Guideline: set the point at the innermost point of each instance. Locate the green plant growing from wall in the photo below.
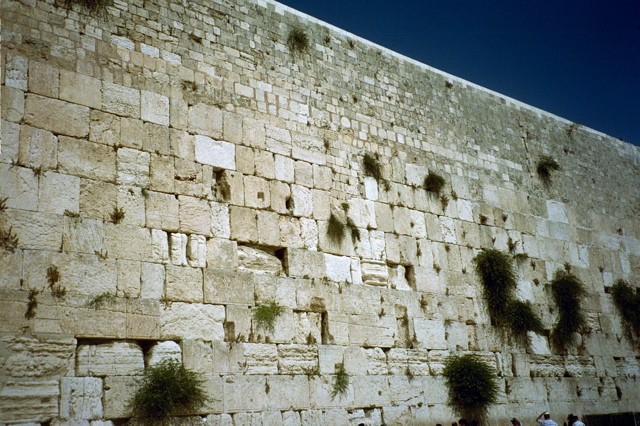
(355, 232)
(95, 7)
(545, 166)
(265, 315)
(340, 381)
(117, 215)
(495, 270)
(167, 389)
(102, 299)
(434, 183)
(3, 204)
(32, 304)
(472, 385)
(297, 41)
(371, 167)
(8, 240)
(567, 291)
(53, 276)
(627, 302)
(335, 230)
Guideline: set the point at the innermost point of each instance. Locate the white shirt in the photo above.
(548, 422)
(578, 423)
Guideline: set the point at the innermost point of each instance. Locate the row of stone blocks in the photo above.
(93, 381)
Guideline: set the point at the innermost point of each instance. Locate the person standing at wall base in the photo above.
(547, 419)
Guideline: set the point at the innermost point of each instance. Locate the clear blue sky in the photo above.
(576, 59)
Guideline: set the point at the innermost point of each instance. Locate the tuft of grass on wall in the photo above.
(297, 41)
(32, 304)
(335, 230)
(434, 183)
(102, 299)
(117, 215)
(265, 316)
(545, 166)
(496, 272)
(472, 385)
(627, 302)
(340, 381)
(371, 167)
(167, 389)
(568, 292)
(94, 7)
(8, 240)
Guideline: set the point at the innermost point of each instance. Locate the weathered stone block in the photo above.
(38, 148)
(20, 186)
(86, 159)
(24, 402)
(244, 393)
(133, 167)
(152, 277)
(118, 392)
(430, 334)
(192, 321)
(109, 359)
(43, 79)
(128, 242)
(162, 211)
(258, 261)
(243, 224)
(288, 392)
(256, 192)
(205, 120)
(298, 359)
(163, 351)
(120, 100)
(223, 286)
(305, 263)
(59, 193)
(218, 154)
(56, 116)
(81, 398)
(154, 108)
(338, 268)
(184, 284)
(80, 89)
(195, 215)
(197, 356)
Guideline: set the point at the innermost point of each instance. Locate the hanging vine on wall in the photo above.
(433, 183)
(371, 167)
(627, 302)
(568, 292)
(545, 166)
(498, 278)
(94, 7)
(472, 385)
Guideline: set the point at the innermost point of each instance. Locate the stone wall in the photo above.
(179, 156)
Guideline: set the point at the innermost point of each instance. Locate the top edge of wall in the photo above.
(281, 8)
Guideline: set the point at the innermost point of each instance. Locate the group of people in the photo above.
(545, 420)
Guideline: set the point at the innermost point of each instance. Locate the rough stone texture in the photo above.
(228, 163)
(118, 358)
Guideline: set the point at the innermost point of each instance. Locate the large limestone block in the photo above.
(305, 263)
(298, 359)
(308, 327)
(401, 360)
(338, 268)
(38, 148)
(162, 211)
(57, 116)
(280, 197)
(259, 358)
(80, 89)
(35, 230)
(11, 267)
(128, 284)
(159, 246)
(192, 321)
(256, 192)
(245, 393)
(223, 286)
(268, 232)
(371, 390)
(205, 120)
(302, 201)
(178, 248)
(118, 392)
(184, 284)
(10, 134)
(372, 330)
(197, 355)
(152, 277)
(86, 159)
(120, 100)
(107, 129)
(81, 398)
(195, 215)
(222, 254)
(220, 225)
(290, 232)
(154, 108)
(44, 79)
(59, 193)
(525, 389)
(243, 224)
(430, 334)
(288, 392)
(109, 359)
(128, 242)
(12, 104)
(163, 351)
(37, 358)
(133, 167)
(16, 70)
(197, 251)
(259, 261)
(228, 358)
(219, 154)
(24, 402)
(309, 233)
(19, 186)
(321, 388)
